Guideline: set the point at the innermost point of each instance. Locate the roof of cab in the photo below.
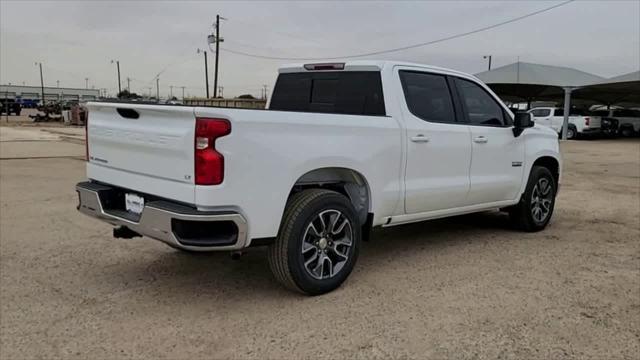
(370, 65)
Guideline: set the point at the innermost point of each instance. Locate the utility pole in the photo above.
(158, 88)
(206, 70)
(6, 103)
(170, 91)
(86, 83)
(488, 57)
(220, 90)
(41, 81)
(218, 40)
(118, 65)
(57, 83)
(264, 89)
(129, 84)
(182, 92)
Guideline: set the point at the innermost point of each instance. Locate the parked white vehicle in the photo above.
(343, 147)
(579, 123)
(628, 120)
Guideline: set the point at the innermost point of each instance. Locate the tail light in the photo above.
(586, 121)
(209, 164)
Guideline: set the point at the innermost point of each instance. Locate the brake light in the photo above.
(325, 66)
(586, 121)
(209, 164)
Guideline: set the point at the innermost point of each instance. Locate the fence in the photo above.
(227, 103)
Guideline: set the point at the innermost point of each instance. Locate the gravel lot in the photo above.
(468, 287)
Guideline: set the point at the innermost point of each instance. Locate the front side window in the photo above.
(428, 96)
(480, 107)
(541, 112)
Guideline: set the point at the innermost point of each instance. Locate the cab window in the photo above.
(541, 112)
(428, 96)
(480, 107)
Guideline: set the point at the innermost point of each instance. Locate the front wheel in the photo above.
(535, 208)
(318, 242)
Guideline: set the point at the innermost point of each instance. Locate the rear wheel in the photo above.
(535, 208)
(571, 133)
(627, 131)
(318, 242)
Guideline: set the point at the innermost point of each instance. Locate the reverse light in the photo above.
(209, 163)
(586, 121)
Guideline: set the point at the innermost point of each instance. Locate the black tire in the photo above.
(627, 131)
(572, 133)
(286, 259)
(522, 215)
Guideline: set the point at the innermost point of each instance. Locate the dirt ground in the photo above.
(467, 287)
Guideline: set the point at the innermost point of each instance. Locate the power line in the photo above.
(404, 47)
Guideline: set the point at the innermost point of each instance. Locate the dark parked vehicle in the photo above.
(10, 106)
(609, 127)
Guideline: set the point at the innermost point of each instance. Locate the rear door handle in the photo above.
(420, 139)
(480, 139)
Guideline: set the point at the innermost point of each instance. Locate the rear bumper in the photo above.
(175, 224)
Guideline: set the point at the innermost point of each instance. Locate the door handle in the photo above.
(480, 139)
(420, 139)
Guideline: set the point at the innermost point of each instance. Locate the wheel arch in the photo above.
(550, 163)
(349, 182)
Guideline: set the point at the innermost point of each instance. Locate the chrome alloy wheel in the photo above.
(326, 244)
(541, 200)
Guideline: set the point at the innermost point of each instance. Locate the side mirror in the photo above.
(522, 121)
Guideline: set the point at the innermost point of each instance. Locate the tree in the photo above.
(246, 96)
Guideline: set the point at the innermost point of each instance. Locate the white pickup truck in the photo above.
(343, 147)
(579, 122)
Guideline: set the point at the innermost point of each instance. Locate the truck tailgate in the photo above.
(595, 122)
(148, 148)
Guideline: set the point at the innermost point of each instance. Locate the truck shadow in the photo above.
(216, 274)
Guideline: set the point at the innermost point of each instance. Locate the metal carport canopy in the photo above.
(623, 90)
(522, 81)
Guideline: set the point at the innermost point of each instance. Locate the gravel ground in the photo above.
(467, 287)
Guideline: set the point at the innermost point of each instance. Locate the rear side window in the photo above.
(428, 96)
(347, 92)
(541, 112)
(626, 113)
(481, 108)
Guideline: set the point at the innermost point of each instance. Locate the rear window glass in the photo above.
(572, 112)
(349, 92)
